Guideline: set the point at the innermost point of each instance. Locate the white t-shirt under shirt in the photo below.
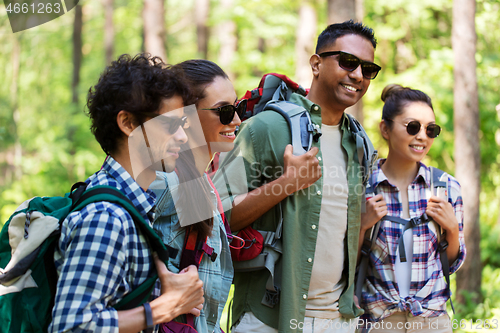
(326, 283)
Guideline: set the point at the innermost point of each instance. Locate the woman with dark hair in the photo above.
(188, 207)
(405, 289)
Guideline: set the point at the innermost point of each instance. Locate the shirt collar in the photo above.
(378, 176)
(315, 109)
(143, 200)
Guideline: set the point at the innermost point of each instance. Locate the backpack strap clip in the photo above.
(366, 247)
(271, 298)
(209, 251)
(443, 245)
(316, 132)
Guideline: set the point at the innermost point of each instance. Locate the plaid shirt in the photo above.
(217, 276)
(428, 291)
(101, 257)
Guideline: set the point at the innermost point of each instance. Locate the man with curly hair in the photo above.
(101, 256)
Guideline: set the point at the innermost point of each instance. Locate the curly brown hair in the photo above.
(135, 84)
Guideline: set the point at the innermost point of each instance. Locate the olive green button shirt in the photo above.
(262, 140)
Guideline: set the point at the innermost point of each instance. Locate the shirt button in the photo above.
(318, 193)
(309, 260)
(315, 108)
(313, 226)
(304, 296)
(319, 158)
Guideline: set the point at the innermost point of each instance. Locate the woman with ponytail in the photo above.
(405, 289)
(188, 212)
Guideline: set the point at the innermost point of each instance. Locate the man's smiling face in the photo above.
(341, 87)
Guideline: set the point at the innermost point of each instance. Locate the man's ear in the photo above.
(315, 62)
(126, 122)
(384, 129)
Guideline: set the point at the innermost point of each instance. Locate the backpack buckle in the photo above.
(443, 245)
(317, 133)
(416, 221)
(365, 248)
(271, 298)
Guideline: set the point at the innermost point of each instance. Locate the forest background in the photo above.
(46, 71)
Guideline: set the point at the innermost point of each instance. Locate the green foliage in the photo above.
(414, 48)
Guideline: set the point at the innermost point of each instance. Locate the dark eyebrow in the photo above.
(222, 103)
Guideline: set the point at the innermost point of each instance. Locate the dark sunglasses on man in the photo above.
(226, 112)
(172, 124)
(414, 126)
(350, 62)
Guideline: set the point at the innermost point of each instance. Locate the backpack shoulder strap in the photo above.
(439, 179)
(302, 129)
(367, 246)
(112, 194)
(366, 153)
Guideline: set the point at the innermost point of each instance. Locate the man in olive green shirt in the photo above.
(320, 194)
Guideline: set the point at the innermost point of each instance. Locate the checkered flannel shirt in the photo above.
(101, 257)
(428, 290)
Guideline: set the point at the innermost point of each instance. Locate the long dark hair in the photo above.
(194, 192)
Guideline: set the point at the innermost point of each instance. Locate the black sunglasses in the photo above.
(226, 112)
(414, 126)
(350, 62)
(173, 124)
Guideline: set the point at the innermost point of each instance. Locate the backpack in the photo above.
(27, 244)
(263, 249)
(439, 180)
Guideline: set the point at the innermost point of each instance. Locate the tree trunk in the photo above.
(228, 40)
(14, 89)
(77, 64)
(77, 51)
(201, 12)
(467, 157)
(360, 10)
(109, 32)
(153, 16)
(305, 42)
(340, 11)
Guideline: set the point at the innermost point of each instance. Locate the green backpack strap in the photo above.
(111, 194)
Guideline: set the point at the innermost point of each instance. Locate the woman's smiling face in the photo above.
(219, 137)
(406, 146)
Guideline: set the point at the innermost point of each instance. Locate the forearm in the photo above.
(453, 249)
(134, 320)
(252, 205)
